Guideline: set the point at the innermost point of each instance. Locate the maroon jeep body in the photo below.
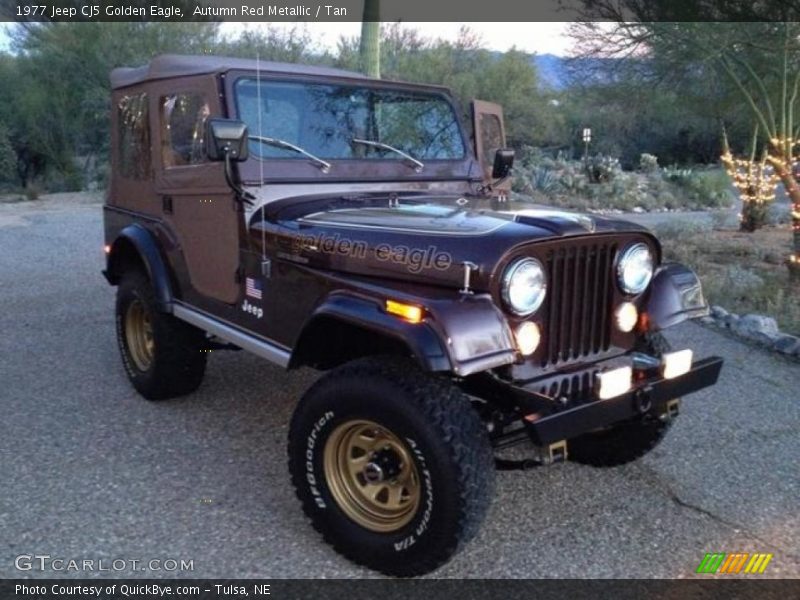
(317, 217)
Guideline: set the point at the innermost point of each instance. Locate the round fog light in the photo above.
(626, 316)
(528, 338)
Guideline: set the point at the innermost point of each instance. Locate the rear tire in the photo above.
(393, 466)
(163, 356)
(627, 441)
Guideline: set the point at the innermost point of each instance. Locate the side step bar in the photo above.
(258, 346)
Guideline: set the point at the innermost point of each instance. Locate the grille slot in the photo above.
(579, 301)
(576, 388)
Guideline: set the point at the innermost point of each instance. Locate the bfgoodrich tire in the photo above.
(163, 357)
(392, 466)
(627, 441)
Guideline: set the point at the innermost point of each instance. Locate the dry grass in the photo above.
(743, 272)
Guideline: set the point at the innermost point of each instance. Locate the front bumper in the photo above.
(549, 419)
(647, 396)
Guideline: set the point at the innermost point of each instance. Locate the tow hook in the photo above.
(642, 399)
(543, 456)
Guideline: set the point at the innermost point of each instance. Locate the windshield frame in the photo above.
(299, 168)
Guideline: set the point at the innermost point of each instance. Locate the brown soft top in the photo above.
(177, 65)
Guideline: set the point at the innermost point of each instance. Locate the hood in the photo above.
(420, 238)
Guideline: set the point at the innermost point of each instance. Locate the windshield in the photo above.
(324, 119)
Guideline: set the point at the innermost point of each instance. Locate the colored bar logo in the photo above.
(720, 563)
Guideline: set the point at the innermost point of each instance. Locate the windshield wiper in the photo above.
(323, 165)
(417, 165)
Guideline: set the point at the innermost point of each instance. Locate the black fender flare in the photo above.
(145, 245)
(462, 336)
(367, 314)
(676, 295)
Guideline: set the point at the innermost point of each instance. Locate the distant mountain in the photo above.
(555, 72)
(552, 70)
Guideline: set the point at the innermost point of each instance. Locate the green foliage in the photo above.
(706, 189)
(569, 184)
(540, 179)
(601, 169)
(8, 158)
(648, 163)
(54, 95)
(295, 45)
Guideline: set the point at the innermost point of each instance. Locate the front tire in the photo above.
(163, 356)
(628, 441)
(392, 466)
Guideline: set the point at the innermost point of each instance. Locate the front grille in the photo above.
(576, 388)
(579, 296)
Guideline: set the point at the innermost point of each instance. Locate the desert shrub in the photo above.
(648, 163)
(539, 179)
(601, 168)
(677, 175)
(702, 189)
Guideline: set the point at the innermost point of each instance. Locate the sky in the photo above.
(542, 38)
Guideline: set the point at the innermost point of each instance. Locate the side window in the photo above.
(491, 136)
(133, 119)
(183, 121)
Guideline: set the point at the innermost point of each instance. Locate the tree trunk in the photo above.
(793, 191)
(370, 48)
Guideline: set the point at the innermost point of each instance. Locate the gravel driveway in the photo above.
(90, 470)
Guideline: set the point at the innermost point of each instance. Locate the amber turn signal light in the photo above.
(407, 312)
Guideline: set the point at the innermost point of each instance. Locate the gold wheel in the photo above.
(139, 335)
(372, 476)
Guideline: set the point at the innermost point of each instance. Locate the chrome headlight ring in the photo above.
(635, 268)
(524, 286)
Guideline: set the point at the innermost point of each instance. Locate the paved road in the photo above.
(90, 470)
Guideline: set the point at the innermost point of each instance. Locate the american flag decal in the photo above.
(252, 288)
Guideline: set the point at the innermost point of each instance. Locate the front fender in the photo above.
(462, 335)
(134, 241)
(675, 296)
(367, 314)
(477, 334)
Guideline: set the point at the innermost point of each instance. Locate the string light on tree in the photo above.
(756, 181)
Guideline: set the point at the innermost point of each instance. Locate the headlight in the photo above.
(524, 286)
(635, 269)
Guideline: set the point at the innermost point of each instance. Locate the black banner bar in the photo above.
(394, 589)
(399, 10)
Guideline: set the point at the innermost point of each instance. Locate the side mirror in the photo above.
(226, 139)
(503, 161)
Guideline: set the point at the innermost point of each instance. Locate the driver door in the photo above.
(196, 201)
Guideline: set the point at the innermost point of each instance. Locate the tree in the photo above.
(8, 158)
(293, 45)
(760, 61)
(59, 92)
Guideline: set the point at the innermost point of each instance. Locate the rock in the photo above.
(760, 323)
(719, 313)
(787, 344)
(760, 328)
(638, 209)
(730, 320)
